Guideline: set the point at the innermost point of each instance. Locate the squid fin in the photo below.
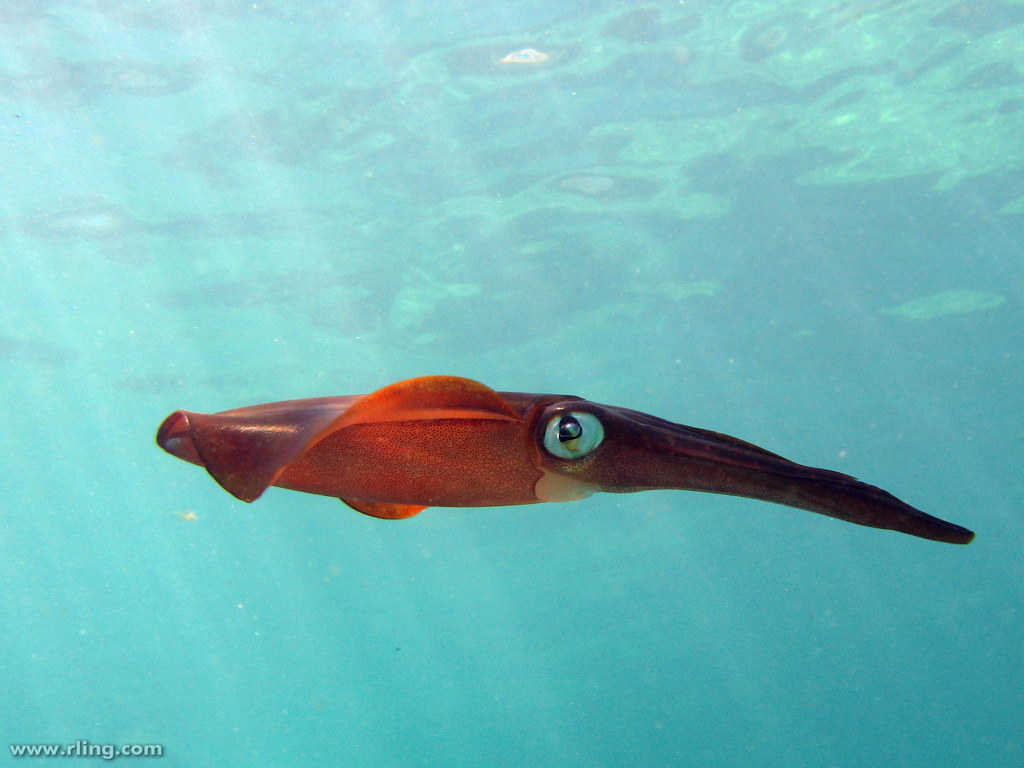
(428, 397)
(384, 510)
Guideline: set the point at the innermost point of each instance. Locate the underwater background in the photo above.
(800, 223)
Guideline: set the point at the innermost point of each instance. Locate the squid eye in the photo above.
(573, 435)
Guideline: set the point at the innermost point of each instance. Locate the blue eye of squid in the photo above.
(572, 435)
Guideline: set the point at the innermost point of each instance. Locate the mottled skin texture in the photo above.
(448, 441)
(378, 462)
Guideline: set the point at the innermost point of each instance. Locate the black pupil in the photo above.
(569, 429)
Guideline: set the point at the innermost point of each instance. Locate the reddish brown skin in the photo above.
(448, 441)
(421, 463)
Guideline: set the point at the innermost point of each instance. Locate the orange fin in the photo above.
(428, 397)
(384, 510)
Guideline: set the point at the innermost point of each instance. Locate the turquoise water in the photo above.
(800, 223)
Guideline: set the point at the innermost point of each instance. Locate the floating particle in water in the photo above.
(526, 56)
(493, 60)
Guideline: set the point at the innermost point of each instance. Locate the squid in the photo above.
(448, 441)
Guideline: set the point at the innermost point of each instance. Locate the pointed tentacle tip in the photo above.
(936, 529)
(960, 536)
